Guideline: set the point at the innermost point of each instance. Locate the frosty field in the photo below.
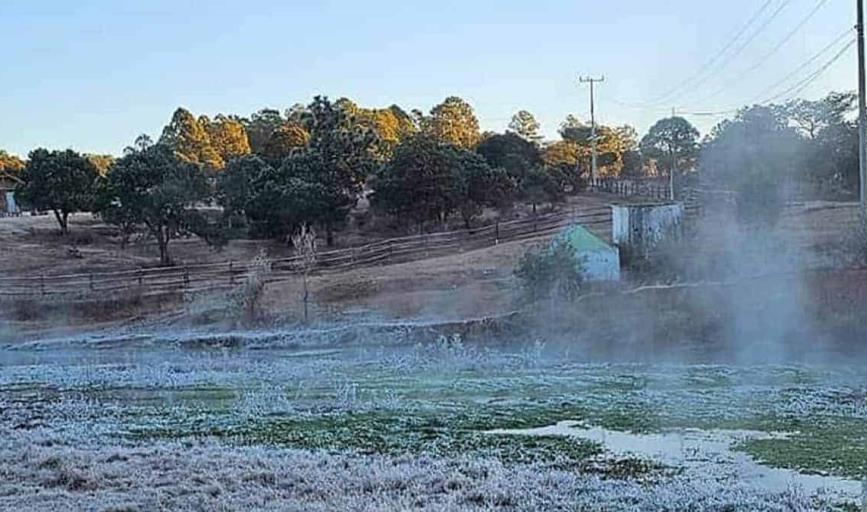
(447, 426)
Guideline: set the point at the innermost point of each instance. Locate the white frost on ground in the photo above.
(700, 452)
(36, 474)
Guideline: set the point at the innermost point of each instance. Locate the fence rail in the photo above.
(222, 275)
(654, 188)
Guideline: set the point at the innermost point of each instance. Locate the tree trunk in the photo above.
(163, 241)
(329, 235)
(63, 221)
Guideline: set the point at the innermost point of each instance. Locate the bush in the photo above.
(855, 244)
(759, 201)
(550, 272)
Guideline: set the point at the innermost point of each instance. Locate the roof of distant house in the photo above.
(583, 240)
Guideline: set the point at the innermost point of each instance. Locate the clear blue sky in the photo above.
(92, 74)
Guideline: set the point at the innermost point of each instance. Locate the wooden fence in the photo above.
(653, 188)
(215, 276)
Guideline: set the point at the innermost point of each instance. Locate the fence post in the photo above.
(186, 276)
(231, 272)
(140, 276)
(497, 233)
(42, 284)
(90, 279)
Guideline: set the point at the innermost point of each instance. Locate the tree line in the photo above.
(273, 172)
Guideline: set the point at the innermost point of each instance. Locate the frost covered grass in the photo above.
(417, 416)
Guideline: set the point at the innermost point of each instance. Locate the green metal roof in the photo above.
(582, 240)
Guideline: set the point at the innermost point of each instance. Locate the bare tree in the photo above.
(305, 247)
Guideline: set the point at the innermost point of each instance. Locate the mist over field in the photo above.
(381, 295)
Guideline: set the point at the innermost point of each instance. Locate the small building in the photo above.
(639, 227)
(8, 205)
(599, 261)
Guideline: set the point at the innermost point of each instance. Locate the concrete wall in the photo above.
(7, 203)
(601, 265)
(641, 226)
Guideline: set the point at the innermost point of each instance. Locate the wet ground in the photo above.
(443, 426)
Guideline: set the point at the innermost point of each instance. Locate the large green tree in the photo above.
(259, 127)
(754, 154)
(511, 152)
(671, 141)
(155, 189)
(334, 165)
(63, 182)
(829, 149)
(417, 184)
(477, 185)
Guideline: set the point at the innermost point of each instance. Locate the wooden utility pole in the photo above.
(592, 81)
(673, 170)
(862, 110)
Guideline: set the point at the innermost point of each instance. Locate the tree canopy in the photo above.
(63, 182)
(10, 166)
(454, 121)
(189, 139)
(524, 124)
(669, 141)
(155, 189)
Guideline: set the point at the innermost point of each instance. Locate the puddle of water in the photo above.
(705, 451)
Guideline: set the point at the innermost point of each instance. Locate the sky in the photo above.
(93, 74)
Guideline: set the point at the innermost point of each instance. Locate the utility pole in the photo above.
(592, 81)
(862, 110)
(673, 161)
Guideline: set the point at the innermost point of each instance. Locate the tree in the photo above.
(562, 153)
(524, 124)
(189, 139)
(417, 183)
(156, 189)
(611, 144)
(671, 140)
(553, 272)
(511, 152)
(227, 137)
(334, 164)
(102, 162)
(284, 141)
(541, 185)
(811, 117)
(237, 184)
(752, 154)
(10, 166)
(477, 185)
(61, 181)
(453, 121)
(259, 128)
(829, 150)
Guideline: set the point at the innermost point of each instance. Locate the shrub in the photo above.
(251, 291)
(855, 244)
(552, 272)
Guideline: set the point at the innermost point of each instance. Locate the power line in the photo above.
(767, 55)
(806, 63)
(740, 48)
(798, 86)
(707, 65)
